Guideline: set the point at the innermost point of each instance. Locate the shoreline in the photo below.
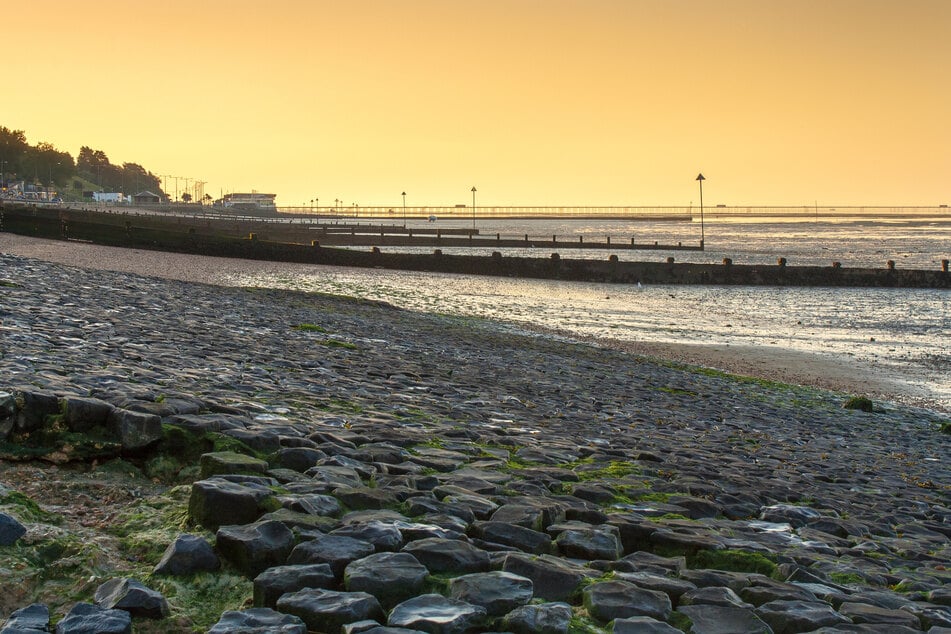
(769, 364)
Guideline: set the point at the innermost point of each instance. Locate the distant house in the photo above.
(146, 198)
(109, 197)
(253, 201)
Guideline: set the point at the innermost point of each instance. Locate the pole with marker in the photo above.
(700, 179)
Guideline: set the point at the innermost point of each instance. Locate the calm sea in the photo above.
(902, 333)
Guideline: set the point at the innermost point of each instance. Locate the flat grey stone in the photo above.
(258, 621)
(328, 610)
(32, 619)
(11, 530)
(543, 618)
(85, 618)
(253, 548)
(642, 625)
(799, 616)
(335, 550)
(273, 583)
(553, 579)
(713, 619)
(437, 614)
(609, 600)
(132, 596)
(448, 555)
(187, 555)
(498, 592)
(390, 577)
(519, 537)
(873, 614)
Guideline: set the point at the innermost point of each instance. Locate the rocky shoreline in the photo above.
(319, 464)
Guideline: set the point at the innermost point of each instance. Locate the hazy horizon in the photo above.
(562, 103)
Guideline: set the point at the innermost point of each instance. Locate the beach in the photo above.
(787, 366)
(325, 452)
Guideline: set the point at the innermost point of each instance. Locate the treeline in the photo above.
(44, 165)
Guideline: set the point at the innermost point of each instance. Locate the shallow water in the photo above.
(904, 333)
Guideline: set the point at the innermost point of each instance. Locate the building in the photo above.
(109, 197)
(146, 198)
(254, 201)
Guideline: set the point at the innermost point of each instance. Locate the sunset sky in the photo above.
(555, 102)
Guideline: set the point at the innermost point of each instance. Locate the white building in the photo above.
(109, 197)
(254, 201)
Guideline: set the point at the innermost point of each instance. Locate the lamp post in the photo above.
(404, 210)
(700, 180)
(473, 207)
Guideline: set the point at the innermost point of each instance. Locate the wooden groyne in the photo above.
(146, 233)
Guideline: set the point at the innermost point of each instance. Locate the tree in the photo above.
(12, 147)
(186, 197)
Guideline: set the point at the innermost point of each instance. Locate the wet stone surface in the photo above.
(443, 474)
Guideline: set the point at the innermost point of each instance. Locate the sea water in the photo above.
(904, 334)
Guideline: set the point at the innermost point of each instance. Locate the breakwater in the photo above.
(205, 238)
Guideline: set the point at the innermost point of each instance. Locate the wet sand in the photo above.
(785, 366)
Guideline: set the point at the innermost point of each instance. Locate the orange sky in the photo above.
(570, 102)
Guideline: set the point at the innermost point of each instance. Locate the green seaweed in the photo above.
(733, 560)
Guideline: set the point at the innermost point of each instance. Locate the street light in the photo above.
(473, 207)
(700, 180)
(404, 210)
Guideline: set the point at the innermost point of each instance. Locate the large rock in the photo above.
(437, 614)
(218, 502)
(795, 516)
(553, 579)
(513, 535)
(790, 617)
(273, 583)
(390, 577)
(134, 430)
(335, 550)
(8, 411)
(643, 625)
(132, 596)
(384, 536)
(10, 530)
(589, 544)
(85, 618)
(536, 513)
(362, 497)
(714, 619)
(448, 555)
(254, 548)
(498, 592)
(187, 555)
(327, 610)
(873, 614)
(258, 621)
(33, 409)
(714, 595)
(545, 618)
(299, 458)
(313, 504)
(228, 462)
(611, 600)
(33, 619)
(83, 414)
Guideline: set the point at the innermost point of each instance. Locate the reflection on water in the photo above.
(904, 333)
(919, 244)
